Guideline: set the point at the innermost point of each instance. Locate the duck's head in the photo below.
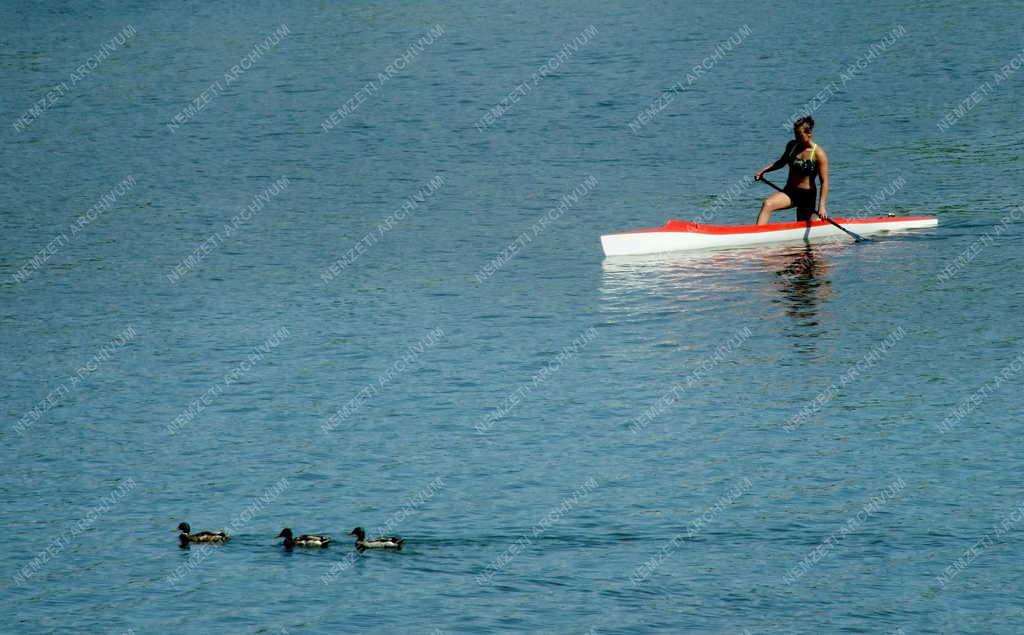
(358, 533)
(184, 527)
(285, 533)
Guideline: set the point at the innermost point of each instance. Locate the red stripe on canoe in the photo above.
(698, 228)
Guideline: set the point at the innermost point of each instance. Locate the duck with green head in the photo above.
(186, 536)
(383, 542)
(305, 540)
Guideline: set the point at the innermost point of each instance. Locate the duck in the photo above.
(383, 542)
(305, 540)
(186, 536)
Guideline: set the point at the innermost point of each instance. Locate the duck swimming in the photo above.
(384, 542)
(305, 540)
(186, 536)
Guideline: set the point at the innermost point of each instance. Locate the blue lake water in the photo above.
(396, 319)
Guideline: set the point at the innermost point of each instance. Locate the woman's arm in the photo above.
(779, 163)
(823, 175)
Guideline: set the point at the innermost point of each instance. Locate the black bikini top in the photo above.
(808, 165)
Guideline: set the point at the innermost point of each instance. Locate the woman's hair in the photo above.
(809, 120)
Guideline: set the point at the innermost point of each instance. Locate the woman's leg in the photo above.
(773, 203)
(806, 202)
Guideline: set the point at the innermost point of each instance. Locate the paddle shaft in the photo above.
(856, 237)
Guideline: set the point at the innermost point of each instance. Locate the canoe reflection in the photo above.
(713, 271)
(732, 284)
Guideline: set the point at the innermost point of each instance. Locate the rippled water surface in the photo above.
(774, 439)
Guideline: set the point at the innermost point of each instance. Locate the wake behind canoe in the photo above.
(680, 235)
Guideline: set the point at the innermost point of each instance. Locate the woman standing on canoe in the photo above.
(806, 160)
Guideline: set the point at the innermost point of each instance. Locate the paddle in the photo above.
(856, 237)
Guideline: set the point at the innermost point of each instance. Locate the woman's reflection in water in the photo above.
(801, 276)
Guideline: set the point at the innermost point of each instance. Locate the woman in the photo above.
(806, 160)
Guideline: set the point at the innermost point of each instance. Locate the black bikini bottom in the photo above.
(806, 201)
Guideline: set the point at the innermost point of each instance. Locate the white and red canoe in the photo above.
(681, 235)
